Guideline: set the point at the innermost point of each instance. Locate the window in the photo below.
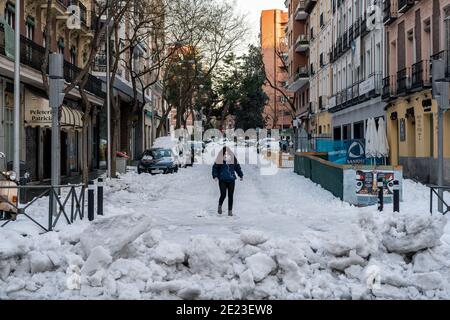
(73, 55)
(10, 14)
(61, 45)
(358, 130)
(337, 133)
(29, 27)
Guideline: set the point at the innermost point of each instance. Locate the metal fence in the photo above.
(434, 190)
(70, 201)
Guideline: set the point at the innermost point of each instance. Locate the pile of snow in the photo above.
(387, 256)
(276, 251)
(165, 142)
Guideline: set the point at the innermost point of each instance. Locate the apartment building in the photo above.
(277, 112)
(297, 57)
(416, 32)
(320, 28)
(357, 63)
(35, 131)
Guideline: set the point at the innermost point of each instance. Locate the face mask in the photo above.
(228, 158)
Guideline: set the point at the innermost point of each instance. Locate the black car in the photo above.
(158, 160)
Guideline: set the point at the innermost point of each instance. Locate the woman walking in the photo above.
(224, 171)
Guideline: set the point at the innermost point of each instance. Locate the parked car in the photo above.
(158, 160)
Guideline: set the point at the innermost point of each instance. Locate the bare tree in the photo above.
(210, 30)
(289, 98)
(116, 10)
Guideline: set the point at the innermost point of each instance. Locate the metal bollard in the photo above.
(100, 196)
(380, 194)
(396, 196)
(91, 200)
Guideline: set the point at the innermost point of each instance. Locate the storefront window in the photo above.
(358, 130)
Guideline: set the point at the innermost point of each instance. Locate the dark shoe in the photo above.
(219, 210)
(230, 213)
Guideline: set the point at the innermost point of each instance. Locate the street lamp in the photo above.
(16, 128)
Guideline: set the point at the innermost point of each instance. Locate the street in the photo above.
(161, 238)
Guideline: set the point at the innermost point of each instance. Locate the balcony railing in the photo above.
(309, 5)
(403, 81)
(404, 5)
(420, 75)
(444, 55)
(354, 93)
(389, 12)
(302, 72)
(32, 55)
(300, 12)
(302, 43)
(389, 88)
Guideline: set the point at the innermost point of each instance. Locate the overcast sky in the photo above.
(253, 9)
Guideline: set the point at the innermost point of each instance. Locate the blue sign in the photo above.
(356, 151)
(347, 152)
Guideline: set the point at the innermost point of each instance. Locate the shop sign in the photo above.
(402, 129)
(37, 110)
(367, 86)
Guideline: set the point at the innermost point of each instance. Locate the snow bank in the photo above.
(405, 233)
(12, 244)
(114, 233)
(330, 250)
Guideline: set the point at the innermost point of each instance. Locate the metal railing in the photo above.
(389, 12)
(70, 202)
(403, 81)
(70, 205)
(388, 87)
(434, 190)
(420, 74)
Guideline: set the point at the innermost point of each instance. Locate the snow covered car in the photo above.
(158, 160)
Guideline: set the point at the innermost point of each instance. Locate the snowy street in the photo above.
(161, 237)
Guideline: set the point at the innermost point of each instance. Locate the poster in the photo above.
(367, 189)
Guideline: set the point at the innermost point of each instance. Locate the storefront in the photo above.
(350, 123)
(38, 122)
(412, 127)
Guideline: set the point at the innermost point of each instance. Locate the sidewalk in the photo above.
(30, 194)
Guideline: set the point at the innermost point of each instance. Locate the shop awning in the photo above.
(71, 118)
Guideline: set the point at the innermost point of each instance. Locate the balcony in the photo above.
(356, 93)
(404, 5)
(32, 55)
(100, 62)
(420, 75)
(309, 5)
(322, 103)
(300, 13)
(300, 79)
(388, 89)
(389, 12)
(444, 55)
(403, 81)
(302, 43)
